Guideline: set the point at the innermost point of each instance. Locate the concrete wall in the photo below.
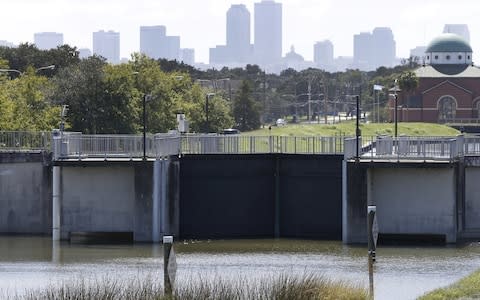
(25, 194)
(472, 198)
(97, 198)
(414, 200)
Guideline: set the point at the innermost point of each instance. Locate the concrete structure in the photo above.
(459, 29)
(107, 45)
(449, 85)
(419, 54)
(26, 193)
(155, 43)
(268, 32)
(48, 40)
(323, 55)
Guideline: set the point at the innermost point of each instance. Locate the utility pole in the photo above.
(325, 103)
(309, 99)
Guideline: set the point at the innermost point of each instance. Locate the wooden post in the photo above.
(169, 265)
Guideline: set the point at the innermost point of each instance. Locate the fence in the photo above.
(78, 146)
(25, 140)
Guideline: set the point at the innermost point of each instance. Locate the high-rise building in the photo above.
(418, 54)
(155, 43)
(238, 33)
(187, 56)
(383, 47)
(48, 40)
(460, 29)
(362, 51)
(84, 53)
(323, 54)
(107, 45)
(268, 32)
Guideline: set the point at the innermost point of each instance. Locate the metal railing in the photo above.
(401, 148)
(25, 140)
(78, 146)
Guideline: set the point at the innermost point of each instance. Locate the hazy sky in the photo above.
(201, 24)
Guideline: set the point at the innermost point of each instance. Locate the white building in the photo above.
(84, 53)
(107, 45)
(238, 33)
(460, 29)
(48, 40)
(156, 44)
(187, 56)
(268, 32)
(323, 55)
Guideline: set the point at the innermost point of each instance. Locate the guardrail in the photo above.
(25, 141)
(79, 146)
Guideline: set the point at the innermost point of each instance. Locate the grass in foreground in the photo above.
(348, 128)
(281, 288)
(466, 288)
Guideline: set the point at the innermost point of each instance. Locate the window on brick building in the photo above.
(447, 108)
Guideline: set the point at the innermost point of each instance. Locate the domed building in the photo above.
(449, 85)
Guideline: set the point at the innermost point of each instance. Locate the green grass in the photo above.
(466, 288)
(283, 287)
(348, 128)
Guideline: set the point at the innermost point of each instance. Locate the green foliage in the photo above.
(466, 288)
(25, 104)
(245, 110)
(408, 81)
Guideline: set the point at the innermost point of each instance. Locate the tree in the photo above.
(408, 82)
(245, 110)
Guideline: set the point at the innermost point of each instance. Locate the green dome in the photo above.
(448, 42)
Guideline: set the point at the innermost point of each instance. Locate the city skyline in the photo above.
(201, 25)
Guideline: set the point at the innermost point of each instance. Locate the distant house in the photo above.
(449, 85)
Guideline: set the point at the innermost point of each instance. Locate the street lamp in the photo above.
(207, 98)
(146, 98)
(395, 97)
(50, 67)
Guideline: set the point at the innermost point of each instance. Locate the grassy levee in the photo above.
(466, 288)
(348, 128)
(283, 287)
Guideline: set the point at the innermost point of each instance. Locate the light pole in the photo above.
(146, 98)
(50, 67)
(207, 98)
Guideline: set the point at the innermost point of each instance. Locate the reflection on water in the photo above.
(399, 273)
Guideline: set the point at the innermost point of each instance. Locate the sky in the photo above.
(201, 24)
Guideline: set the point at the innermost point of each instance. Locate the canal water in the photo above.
(399, 273)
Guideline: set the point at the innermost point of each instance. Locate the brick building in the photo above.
(449, 85)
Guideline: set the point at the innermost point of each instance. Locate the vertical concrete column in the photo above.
(370, 200)
(56, 202)
(164, 207)
(344, 203)
(157, 179)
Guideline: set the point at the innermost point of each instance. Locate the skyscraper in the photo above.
(362, 51)
(323, 54)
(187, 56)
(460, 29)
(383, 47)
(48, 40)
(107, 44)
(268, 32)
(155, 43)
(238, 33)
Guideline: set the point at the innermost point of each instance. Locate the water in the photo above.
(399, 273)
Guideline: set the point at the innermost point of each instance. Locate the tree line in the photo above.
(105, 98)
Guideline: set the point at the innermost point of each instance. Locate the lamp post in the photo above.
(357, 129)
(146, 98)
(50, 67)
(207, 98)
